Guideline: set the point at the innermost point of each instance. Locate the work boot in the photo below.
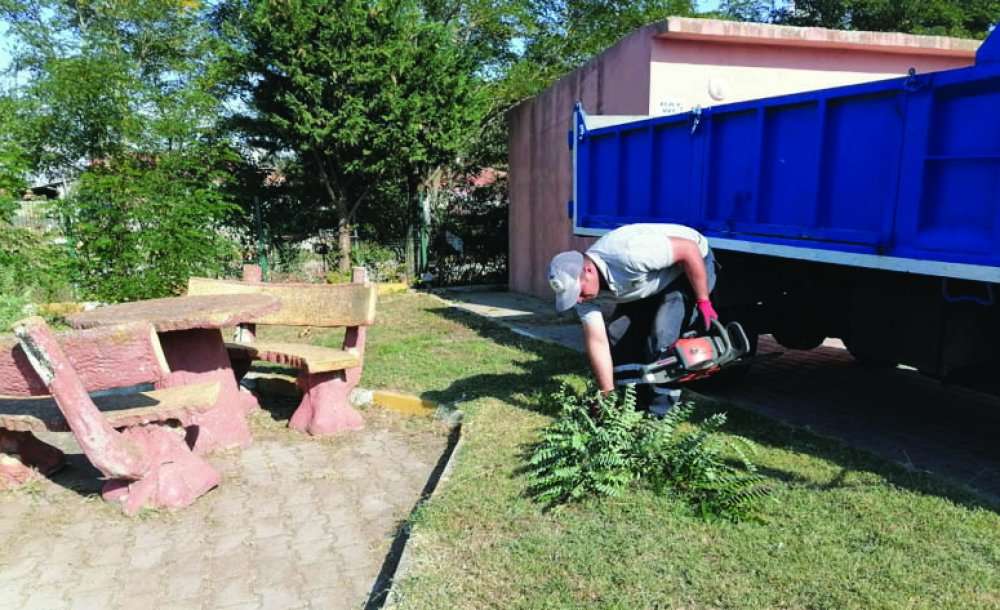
(664, 399)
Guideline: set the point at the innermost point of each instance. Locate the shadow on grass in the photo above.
(525, 389)
(537, 380)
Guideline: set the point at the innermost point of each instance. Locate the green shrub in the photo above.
(13, 299)
(142, 225)
(601, 446)
(584, 453)
(34, 265)
(337, 277)
(383, 264)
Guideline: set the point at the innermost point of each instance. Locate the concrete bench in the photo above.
(135, 438)
(326, 375)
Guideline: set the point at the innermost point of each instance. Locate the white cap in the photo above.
(564, 278)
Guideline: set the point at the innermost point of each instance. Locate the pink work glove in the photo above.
(707, 312)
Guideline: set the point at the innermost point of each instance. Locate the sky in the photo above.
(700, 5)
(4, 53)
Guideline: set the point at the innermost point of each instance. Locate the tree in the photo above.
(963, 18)
(13, 160)
(358, 92)
(120, 97)
(967, 18)
(761, 11)
(29, 262)
(565, 34)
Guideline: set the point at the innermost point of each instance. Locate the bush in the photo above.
(600, 447)
(142, 225)
(13, 299)
(384, 264)
(34, 265)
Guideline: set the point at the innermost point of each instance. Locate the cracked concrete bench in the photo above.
(136, 439)
(326, 375)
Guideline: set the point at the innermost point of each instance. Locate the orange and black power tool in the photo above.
(691, 358)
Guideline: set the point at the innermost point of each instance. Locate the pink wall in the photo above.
(616, 82)
(682, 72)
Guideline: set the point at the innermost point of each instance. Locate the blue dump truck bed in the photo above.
(899, 175)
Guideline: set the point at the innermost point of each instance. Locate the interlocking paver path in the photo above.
(297, 523)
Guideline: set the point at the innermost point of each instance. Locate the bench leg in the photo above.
(21, 452)
(177, 477)
(325, 407)
(199, 356)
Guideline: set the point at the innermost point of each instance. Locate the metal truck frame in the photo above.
(868, 212)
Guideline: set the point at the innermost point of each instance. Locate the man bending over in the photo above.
(659, 276)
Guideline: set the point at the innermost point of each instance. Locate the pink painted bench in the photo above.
(136, 439)
(189, 332)
(326, 375)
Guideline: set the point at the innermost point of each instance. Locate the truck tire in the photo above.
(865, 358)
(802, 338)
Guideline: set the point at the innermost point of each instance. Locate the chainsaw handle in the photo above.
(737, 328)
(721, 330)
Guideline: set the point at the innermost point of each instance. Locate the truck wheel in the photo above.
(866, 359)
(803, 338)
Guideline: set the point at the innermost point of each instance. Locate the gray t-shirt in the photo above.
(637, 261)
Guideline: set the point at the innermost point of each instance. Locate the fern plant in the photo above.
(601, 446)
(588, 450)
(691, 461)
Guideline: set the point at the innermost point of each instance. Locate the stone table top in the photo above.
(181, 313)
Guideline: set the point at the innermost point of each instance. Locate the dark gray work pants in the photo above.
(640, 331)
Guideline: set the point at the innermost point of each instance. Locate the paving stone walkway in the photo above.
(297, 523)
(894, 412)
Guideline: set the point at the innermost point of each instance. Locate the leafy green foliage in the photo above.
(34, 265)
(141, 231)
(693, 462)
(13, 298)
(964, 18)
(356, 92)
(600, 446)
(31, 264)
(586, 453)
(14, 163)
(121, 99)
(969, 18)
(383, 264)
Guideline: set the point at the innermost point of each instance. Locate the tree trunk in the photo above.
(343, 212)
(344, 239)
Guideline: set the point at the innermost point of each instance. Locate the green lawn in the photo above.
(843, 529)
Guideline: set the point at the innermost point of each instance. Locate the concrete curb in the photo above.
(385, 288)
(398, 563)
(404, 565)
(468, 288)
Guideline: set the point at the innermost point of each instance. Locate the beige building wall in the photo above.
(673, 66)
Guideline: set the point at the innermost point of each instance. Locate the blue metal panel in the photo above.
(906, 167)
(989, 51)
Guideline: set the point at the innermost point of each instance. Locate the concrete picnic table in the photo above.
(189, 331)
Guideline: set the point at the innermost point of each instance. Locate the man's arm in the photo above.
(595, 341)
(687, 254)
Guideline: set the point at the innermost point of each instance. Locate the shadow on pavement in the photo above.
(538, 376)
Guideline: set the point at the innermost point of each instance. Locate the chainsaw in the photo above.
(691, 358)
